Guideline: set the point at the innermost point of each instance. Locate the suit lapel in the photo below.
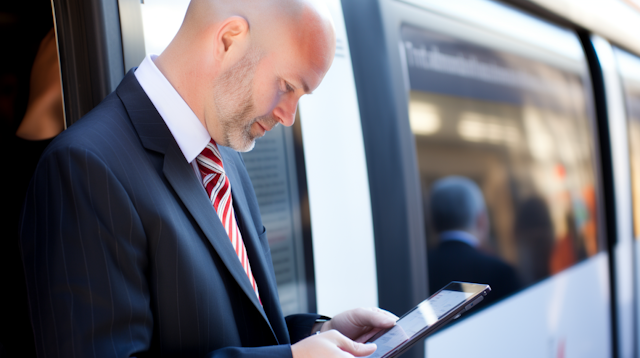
(155, 136)
(260, 265)
(183, 180)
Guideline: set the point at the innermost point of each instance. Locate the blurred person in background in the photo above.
(534, 235)
(459, 217)
(44, 118)
(31, 115)
(569, 247)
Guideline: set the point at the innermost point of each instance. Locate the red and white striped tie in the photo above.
(219, 190)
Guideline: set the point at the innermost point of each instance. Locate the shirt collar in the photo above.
(192, 137)
(459, 235)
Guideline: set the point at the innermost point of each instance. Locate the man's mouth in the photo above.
(267, 123)
(264, 129)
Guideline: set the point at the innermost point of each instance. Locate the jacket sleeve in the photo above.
(84, 255)
(300, 325)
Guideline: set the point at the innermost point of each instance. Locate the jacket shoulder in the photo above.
(100, 129)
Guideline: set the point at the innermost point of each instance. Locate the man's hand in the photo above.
(360, 324)
(330, 344)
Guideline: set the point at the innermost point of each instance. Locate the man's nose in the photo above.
(285, 111)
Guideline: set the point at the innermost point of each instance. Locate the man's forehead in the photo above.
(294, 71)
(302, 59)
(301, 46)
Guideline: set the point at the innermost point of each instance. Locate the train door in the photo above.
(629, 71)
(616, 175)
(476, 89)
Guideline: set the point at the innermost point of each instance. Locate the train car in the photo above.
(536, 102)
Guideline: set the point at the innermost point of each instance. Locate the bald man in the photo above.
(141, 233)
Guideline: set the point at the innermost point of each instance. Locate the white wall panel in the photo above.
(546, 320)
(341, 223)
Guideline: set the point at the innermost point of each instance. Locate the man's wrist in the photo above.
(319, 324)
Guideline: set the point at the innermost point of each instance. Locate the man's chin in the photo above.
(249, 147)
(246, 141)
(243, 147)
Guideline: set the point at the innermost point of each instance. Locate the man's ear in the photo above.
(232, 35)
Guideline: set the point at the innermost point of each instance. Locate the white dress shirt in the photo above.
(192, 137)
(459, 235)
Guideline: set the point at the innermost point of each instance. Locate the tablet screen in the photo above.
(425, 314)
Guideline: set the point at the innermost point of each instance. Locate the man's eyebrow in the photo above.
(304, 84)
(305, 87)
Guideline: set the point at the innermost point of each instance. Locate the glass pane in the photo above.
(508, 143)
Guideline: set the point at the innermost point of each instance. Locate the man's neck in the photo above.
(461, 236)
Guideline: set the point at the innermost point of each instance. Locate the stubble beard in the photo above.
(233, 98)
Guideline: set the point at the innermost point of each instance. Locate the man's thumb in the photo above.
(358, 349)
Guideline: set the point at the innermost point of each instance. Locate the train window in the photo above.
(505, 150)
(276, 167)
(629, 66)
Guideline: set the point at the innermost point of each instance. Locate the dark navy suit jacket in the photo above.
(125, 256)
(458, 261)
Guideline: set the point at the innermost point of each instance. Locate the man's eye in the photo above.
(285, 87)
(288, 87)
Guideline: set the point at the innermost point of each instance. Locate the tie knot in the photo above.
(210, 160)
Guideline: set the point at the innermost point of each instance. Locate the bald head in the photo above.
(269, 21)
(242, 65)
(456, 203)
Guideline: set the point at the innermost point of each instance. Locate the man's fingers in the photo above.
(365, 337)
(375, 317)
(357, 322)
(362, 350)
(354, 348)
(395, 318)
(330, 344)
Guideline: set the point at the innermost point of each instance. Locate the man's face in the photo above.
(236, 108)
(263, 88)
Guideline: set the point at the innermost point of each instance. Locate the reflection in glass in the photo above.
(423, 118)
(521, 129)
(535, 237)
(459, 218)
